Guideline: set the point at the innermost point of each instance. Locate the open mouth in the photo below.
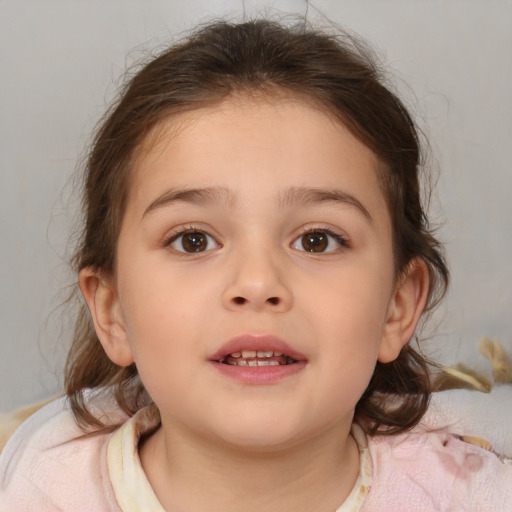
(257, 358)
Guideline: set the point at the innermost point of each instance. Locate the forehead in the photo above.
(244, 142)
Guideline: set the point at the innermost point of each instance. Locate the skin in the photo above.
(250, 446)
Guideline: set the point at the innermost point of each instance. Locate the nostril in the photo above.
(273, 300)
(239, 300)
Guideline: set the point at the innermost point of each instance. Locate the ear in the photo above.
(100, 294)
(405, 308)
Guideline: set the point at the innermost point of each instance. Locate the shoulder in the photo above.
(436, 471)
(472, 413)
(47, 465)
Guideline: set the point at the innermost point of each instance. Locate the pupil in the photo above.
(314, 242)
(194, 242)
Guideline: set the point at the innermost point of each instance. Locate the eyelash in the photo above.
(190, 229)
(340, 239)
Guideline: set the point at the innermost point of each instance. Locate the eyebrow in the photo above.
(306, 196)
(221, 196)
(207, 196)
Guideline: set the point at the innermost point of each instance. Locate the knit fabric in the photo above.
(49, 466)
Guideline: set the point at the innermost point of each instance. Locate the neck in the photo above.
(189, 472)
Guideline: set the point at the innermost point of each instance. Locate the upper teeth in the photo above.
(248, 354)
(257, 358)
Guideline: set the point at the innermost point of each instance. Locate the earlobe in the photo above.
(405, 309)
(101, 297)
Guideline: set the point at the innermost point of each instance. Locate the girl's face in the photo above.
(255, 233)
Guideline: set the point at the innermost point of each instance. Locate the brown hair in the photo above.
(337, 73)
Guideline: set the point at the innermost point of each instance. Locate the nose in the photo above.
(256, 282)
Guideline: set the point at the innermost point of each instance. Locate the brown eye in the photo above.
(315, 241)
(195, 241)
(320, 242)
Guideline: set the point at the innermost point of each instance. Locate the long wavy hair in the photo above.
(335, 71)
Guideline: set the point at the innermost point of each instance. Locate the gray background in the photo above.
(59, 63)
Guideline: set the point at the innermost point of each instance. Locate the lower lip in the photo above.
(259, 374)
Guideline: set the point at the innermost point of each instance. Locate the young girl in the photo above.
(255, 260)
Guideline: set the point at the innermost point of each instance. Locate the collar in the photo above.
(135, 494)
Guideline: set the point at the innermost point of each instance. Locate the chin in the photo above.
(262, 433)
(258, 442)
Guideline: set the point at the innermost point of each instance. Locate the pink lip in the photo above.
(257, 374)
(256, 342)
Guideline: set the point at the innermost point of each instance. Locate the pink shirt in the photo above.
(44, 467)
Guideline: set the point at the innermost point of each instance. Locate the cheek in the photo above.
(351, 304)
(167, 317)
(348, 320)
(162, 343)
(155, 293)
